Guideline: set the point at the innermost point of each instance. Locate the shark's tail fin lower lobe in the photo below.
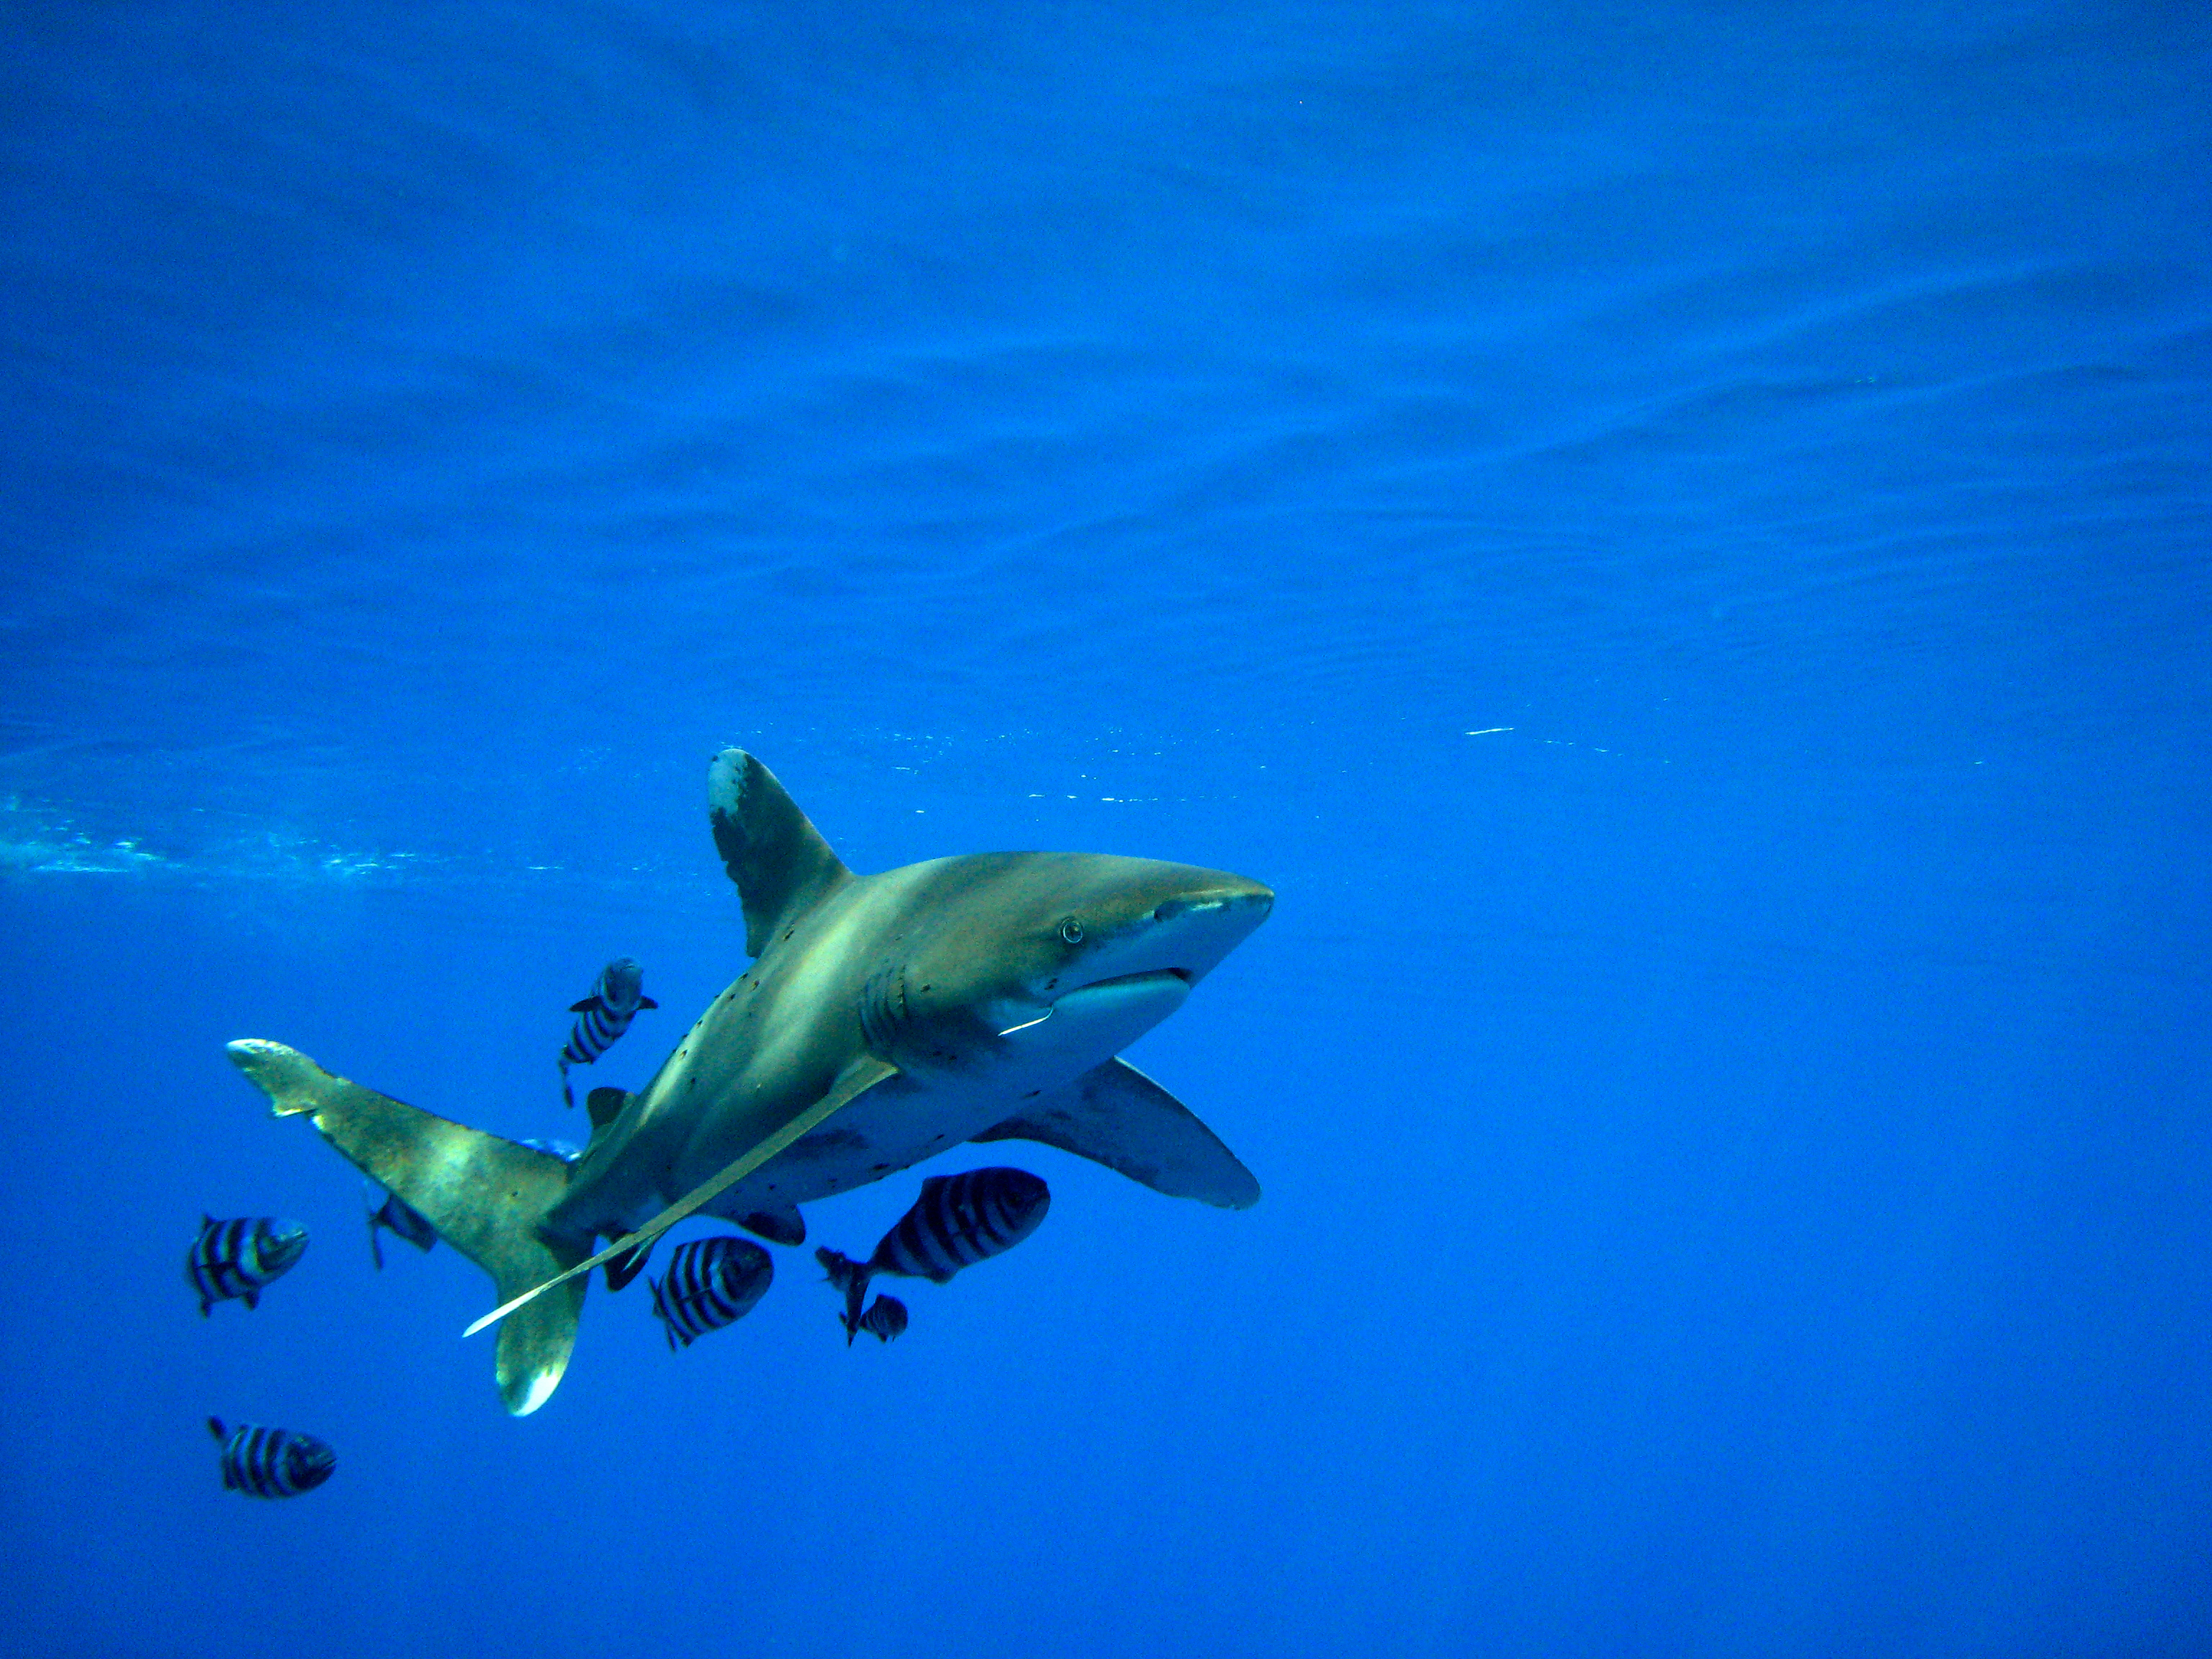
(485, 1195)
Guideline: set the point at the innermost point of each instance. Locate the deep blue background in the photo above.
(1735, 1140)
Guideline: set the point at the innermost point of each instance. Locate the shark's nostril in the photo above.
(1261, 899)
(1184, 907)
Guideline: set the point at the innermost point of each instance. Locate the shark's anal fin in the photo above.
(781, 1225)
(855, 1080)
(1116, 1116)
(484, 1195)
(777, 858)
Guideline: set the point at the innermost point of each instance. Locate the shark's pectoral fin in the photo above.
(1116, 1116)
(855, 1080)
(779, 861)
(483, 1194)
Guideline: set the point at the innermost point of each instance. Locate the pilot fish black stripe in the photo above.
(264, 1462)
(235, 1258)
(962, 1220)
(710, 1283)
(594, 1032)
(958, 1221)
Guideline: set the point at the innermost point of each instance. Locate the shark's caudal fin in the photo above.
(485, 1196)
(779, 861)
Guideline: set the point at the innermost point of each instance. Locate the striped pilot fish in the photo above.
(395, 1215)
(237, 1258)
(958, 1221)
(271, 1462)
(617, 997)
(884, 1319)
(710, 1283)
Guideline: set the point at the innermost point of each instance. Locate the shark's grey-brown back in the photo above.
(885, 1019)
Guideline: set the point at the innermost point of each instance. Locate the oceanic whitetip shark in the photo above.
(884, 1018)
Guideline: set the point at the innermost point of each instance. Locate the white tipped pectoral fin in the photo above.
(1116, 1116)
(855, 1080)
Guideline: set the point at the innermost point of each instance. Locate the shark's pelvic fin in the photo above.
(779, 861)
(1116, 1116)
(483, 1194)
(603, 1106)
(855, 1080)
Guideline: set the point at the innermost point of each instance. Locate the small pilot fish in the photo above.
(271, 1462)
(617, 996)
(238, 1258)
(396, 1215)
(958, 1221)
(884, 1319)
(710, 1283)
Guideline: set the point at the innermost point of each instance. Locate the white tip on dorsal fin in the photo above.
(779, 861)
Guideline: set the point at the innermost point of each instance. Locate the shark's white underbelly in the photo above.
(896, 1125)
(921, 1113)
(887, 1130)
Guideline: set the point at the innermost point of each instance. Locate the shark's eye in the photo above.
(1071, 931)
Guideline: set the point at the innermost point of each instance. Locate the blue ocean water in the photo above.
(1674, 537)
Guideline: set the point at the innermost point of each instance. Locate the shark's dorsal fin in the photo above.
(1116, 1116)
(779, 861)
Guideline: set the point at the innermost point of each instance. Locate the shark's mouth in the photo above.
(1146, 997)
(1139, 1000)
(1131, 980)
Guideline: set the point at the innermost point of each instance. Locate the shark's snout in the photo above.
(1134, 972)
(1191, 932)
